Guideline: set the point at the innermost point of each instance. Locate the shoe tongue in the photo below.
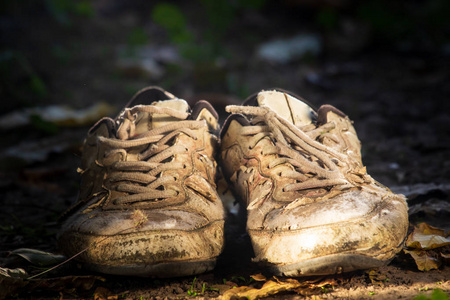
(147, 121)
(292, 109)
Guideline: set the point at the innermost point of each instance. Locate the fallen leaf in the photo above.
(376, 278)
(102, 293)
(332, 281)
(13, 273)
(427, 237)
(31, 151)
(425, 260)
(269, 288)
(428, 229)
(276, 285)
(11, 281)
(38, 257)
(422, 245)
(57, 114)
(259, 277)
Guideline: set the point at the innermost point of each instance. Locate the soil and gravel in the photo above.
(395, 88)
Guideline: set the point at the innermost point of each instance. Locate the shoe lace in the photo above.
(315, 165)
(141, 179)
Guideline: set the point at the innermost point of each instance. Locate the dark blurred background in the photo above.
(79, 52)
(384, 63)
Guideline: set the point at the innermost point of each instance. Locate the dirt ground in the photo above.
(387, 65)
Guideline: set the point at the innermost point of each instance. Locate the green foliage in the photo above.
(437, 294)
(209, 45)
(220, 14)
(18, 78)
(138, 37)
(63, 11)
(191, 291)
(37, 86)
(171, 18)
(43, 125)
(83, 9)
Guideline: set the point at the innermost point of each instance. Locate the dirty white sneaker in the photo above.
(148, 204)
(312, 209)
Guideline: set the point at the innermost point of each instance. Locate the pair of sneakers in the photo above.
(149, 206)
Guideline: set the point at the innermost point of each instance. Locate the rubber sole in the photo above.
(327, 265)
(161, 270)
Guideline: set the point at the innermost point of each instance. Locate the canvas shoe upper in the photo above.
(148, 204)
(312, 207)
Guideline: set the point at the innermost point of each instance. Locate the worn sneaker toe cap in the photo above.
(143, 243)
(351, 225)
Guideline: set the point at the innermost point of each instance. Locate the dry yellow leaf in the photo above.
(427, 237)
(269, 288)
(259, 277)
(425, 260)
